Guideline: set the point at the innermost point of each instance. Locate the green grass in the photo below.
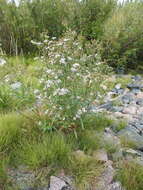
(131, 174)
(6, 98)
(11, 131)
(97, 122)
(51, 150)
(84, 169)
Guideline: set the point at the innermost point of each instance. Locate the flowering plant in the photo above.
(70, 82)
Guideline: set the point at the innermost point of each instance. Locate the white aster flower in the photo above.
(61, 91)
(16, 85)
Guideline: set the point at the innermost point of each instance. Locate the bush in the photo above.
(87, 17)
(19, 25)
(70, 82)
(123, 36)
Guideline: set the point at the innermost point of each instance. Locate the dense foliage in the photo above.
(118, 27)
(123, 36)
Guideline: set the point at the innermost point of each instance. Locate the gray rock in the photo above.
(106, 106)
(117, 155)
(100, 155)
(127, 98)
(135, 86)
(139, 102)
(118, 86)
(130, 110)
(116, 109)
(57, 184)
(136, 78)
(115, 186)
(105, 179)
(133, 152)
(131, 134)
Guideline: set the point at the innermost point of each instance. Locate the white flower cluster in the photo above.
(61, 92)
(75, 67)
(79, 113)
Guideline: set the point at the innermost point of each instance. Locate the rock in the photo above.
(120, 115)
(133, 152)
(105, 179)
(140, 110)
(135, 86)
(106, 106)
(136, 78)
(140, 95)
(136, 91)
(22, 177)
(115, 186)
(57, 184)
(139, 102)
(118, 155)
(127, 98)
(132, 135)
(112, 140)
(100, 155)
(116, 109)
(118, 86)
(130, 110)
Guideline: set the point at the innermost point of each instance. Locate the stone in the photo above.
(115, 186)
(118, 86)
(57, 184)
(132, 135)
(136, 78)
(135, 86)
(111, 139)
(116, 109)
(127, 98)
(120, 115)
(105, 179)
(106, 106)
(130, 110)
(139, 102)
(140, 110)
(118, 155)
(140, 95)
(133, 152)
(100, 155)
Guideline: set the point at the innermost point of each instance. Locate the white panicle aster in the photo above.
(61, 91)
(16, 85)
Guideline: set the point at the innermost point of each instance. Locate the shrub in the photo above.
(87, 17)
(70, 82)
(123, 36)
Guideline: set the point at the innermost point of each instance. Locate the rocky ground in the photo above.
(120, 103)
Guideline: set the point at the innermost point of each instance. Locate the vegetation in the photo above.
(56, 64)
(124, 44)
(130, 174)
